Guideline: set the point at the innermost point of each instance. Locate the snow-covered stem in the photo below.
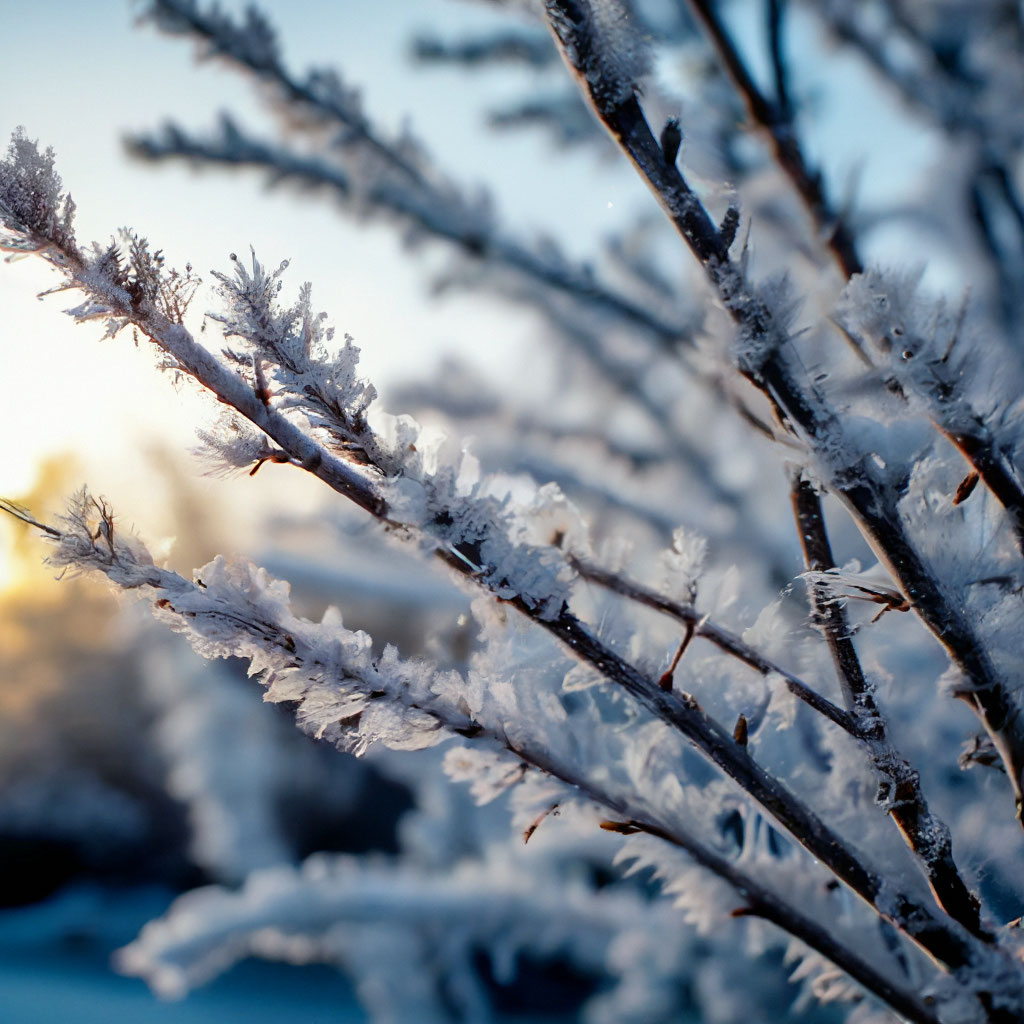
(332, 678)
(722, 638)
(775, 119)
(877, 312)
(926, 834)
(493, 906)
(507, 46)
(120, 305)
(798, 405)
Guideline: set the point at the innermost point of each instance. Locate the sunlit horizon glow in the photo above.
(7, 571)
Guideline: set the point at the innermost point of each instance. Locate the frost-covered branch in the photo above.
(700, 625)
(551, 689)
(918, 349)
(927, 835)
(361, 915)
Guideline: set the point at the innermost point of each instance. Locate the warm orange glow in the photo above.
(21, 553)
(7, 572)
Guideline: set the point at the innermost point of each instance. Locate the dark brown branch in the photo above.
(26, 517)
(829, 613)
(722, 638)
(925, 834)
(775, 119)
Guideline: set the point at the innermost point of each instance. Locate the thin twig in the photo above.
(776, 120)
(928, 836)
(721, 638)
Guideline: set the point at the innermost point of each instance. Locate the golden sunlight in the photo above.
(34, 487)
(7, 573)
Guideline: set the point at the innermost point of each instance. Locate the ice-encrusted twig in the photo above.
(927, 835)
(410, 186)
(917, 348)
(721, 637)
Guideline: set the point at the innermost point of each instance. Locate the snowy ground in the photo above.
(55, 967)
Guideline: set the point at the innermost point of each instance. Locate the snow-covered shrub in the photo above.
(788, 769)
